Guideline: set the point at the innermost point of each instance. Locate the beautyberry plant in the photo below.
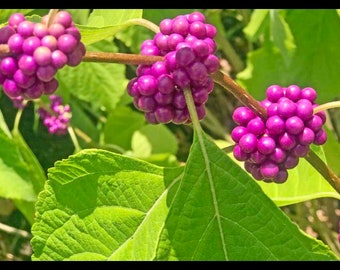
(114, 185)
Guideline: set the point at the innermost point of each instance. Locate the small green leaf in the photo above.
(108, 17)
(154, 136)
(281, 35)
(258, 21)
(117, 132)
(104, 23)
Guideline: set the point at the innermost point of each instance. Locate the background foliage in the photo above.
(142, 192)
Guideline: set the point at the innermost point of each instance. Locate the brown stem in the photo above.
(105, 57)
(238, 92)
(122, 58)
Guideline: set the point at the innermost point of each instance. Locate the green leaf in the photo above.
(97, 203)
(104, 23)
(150, 140)
(117, 132)
(134, 36)
(102, 84)
(157, 15)
(220, 213)
(281, 35)
(21, 176)
(6, 13)
(315, 63)
(14, 180)
(332, 150)
(108, 17)
(258, 21)
(304, 183)
(265, 67)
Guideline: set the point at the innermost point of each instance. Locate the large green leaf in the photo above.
(220, 213)
(317, 58)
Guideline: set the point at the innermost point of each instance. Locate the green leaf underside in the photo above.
(224, 215)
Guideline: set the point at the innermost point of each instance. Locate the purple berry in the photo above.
(269, 169)
(248, 143)
(266, 145)
(67, 43)
(242, 115)
(42, 56)
(274, 93)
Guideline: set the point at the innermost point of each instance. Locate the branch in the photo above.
(238, 92)
(122, 58)
(104, 57)
(324, 170)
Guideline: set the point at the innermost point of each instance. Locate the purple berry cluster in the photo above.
(188, 47)
(57, 117)
(37, 50)
(270, 148)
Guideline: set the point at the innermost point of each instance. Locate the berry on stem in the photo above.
(37, 51)
(187, 45)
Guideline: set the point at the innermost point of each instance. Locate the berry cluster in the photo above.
(187, 44)
(57, 117)
(37, 50)
(270, 148)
